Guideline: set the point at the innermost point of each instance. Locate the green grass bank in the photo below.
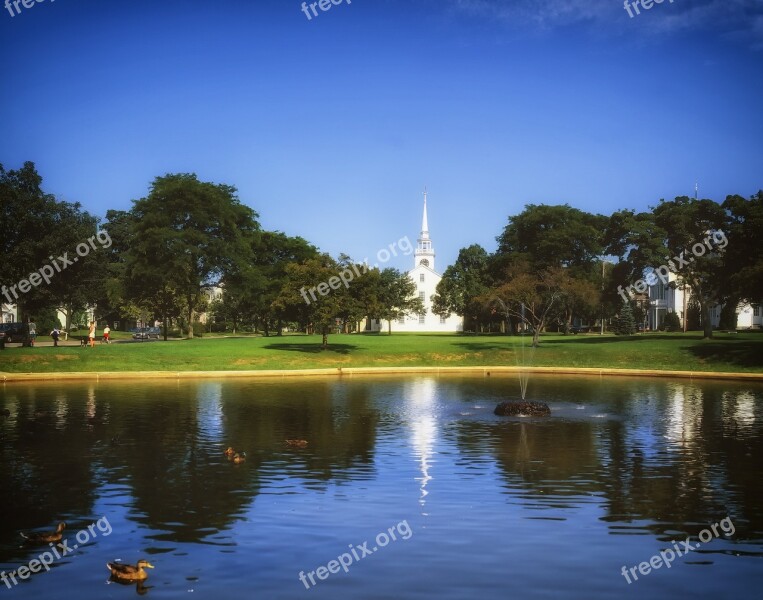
(741, 353)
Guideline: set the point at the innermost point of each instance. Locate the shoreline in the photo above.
(485, 371)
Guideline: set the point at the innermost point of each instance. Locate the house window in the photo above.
(659, 291)
(421, 318)
(401, 320)
(421, 277)
(421, 296)
(756, 310)
(442, 319)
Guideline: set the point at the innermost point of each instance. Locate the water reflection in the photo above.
(650, 459)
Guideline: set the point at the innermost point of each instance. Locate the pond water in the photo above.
(408, 487)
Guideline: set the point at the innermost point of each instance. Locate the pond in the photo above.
(390, 487)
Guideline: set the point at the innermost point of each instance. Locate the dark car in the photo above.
(147, 333)
(13, 332)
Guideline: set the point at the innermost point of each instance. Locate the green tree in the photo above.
(318, 314)
(532, 297)
(37, 231)
(463, 285)
(625, 322)
(398, 297)
(187, 235)
(743, 257)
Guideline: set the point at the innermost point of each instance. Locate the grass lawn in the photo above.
(741, 352)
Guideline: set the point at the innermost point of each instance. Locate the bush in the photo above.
(625, 323)
(671, 322)
(46, 320)
(729, 317)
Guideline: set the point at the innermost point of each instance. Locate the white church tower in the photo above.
(426, 279)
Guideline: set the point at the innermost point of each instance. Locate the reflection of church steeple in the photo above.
(424, 251)
(420, 395)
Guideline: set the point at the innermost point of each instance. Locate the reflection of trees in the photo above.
(44, 474)
(552, 458)
(335, 419)
(685, 460)
(165, 440)
(678, 455)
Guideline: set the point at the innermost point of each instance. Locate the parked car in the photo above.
(13, 332)
(147, 333)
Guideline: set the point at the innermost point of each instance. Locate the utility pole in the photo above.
(601, 299)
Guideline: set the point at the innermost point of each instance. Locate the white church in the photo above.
(426, 279)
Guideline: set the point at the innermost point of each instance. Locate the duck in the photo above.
(44, 538)
(239, 457)
(229, 452)
(129, 572)
(296, 443)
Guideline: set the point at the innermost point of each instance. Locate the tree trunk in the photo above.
(280, 328)
(164, 323)
(68, 324)
(707, 324)
(190, 323)
(389, 326)
(325, 343)
(536, 336)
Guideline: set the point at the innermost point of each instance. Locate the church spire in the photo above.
(424, 223)
(424, 254)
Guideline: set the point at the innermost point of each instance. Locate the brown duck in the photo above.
(44, 538)
(239, 458)
(129, 572)
(296, 443)
(229, 452)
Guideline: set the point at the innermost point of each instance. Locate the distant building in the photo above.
(674, 297)
(426, 279)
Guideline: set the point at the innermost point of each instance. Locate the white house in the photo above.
(674, 297)
(426, 279)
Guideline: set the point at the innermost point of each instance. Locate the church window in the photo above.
(421, 296)
(421, 277)
(442, 319)
(424, 262)
(421, 318)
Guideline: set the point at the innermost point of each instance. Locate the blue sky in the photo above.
(331, 127)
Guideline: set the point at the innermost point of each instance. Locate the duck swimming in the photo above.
(296, 443)
(239, 458)
(44, 538)
(229, 452)
(129, 572)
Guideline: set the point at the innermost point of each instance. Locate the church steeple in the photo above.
(424, 223)
(424, 252)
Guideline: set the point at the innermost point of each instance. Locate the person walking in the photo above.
(55, 334)
(106, 333)
(91, 334)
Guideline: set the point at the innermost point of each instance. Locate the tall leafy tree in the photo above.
(37, 229)
(318, 313)
(743, 257)
(689, 226)
(463, 284)
(187, 235)
(398, 296)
